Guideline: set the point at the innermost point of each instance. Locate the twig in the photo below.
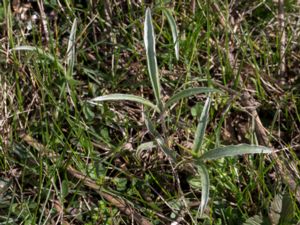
(282, 63)
(44, 20)
(193, 6)
(121, 204)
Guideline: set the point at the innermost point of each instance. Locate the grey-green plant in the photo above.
(161, 107)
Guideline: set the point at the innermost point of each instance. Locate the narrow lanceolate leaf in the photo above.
(149, 40)
(40, 52)
(124, 97)
(174, 31)
(234, 150)
(159, 140)
(204, 186)
(199, 135)
(188, 93)
(71, 50)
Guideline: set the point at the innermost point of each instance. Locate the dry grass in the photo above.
(64, 161)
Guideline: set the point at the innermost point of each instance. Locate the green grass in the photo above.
(158, 154)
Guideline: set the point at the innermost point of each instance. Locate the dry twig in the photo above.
(281, 20)
(44, 20)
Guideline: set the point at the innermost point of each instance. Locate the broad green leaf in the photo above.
(255, 220)
(187, 93)
(282, 209)
(174, 31)
(41, 52)
(205, 186)
(149, 40)
(64, 189)
(199, 135)
(159, 139)
(71, 50)
(288, 209)
(120, 182)
(197, 109)
(234, 150)
(124, 97)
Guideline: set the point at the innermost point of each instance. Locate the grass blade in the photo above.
(59, 65)
(149, 40)
(70, 60)
(124, 97)
(187, 93)
(40, 52)
(199, 135)
(174, 31)
(201, 168)
(234, 150)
